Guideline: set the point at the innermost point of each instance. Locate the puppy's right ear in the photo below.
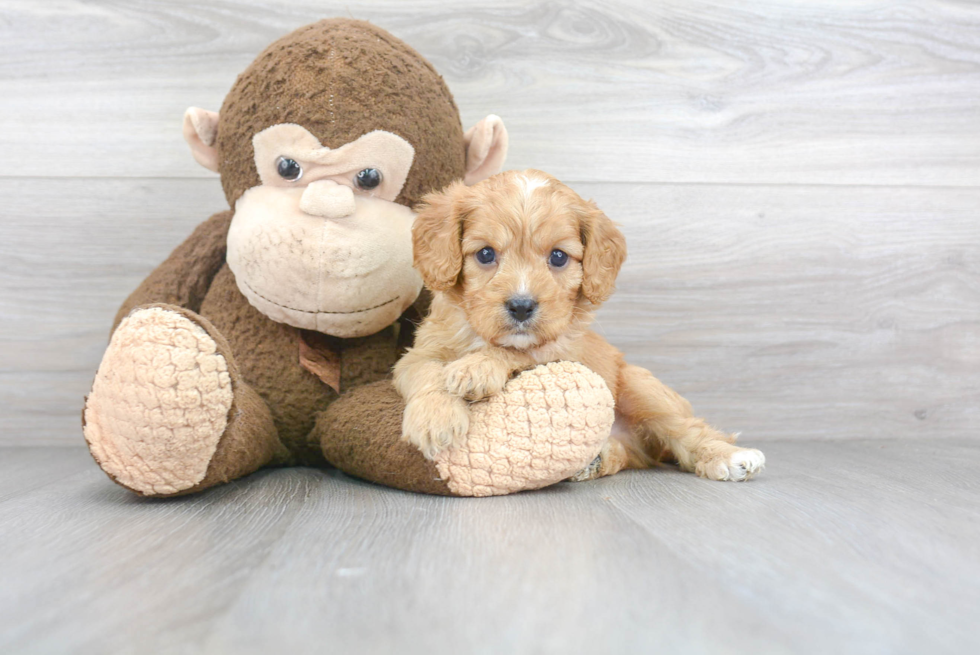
(436, 236)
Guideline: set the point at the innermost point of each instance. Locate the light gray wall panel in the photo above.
(781, 311)
(675, 91)
(799, 183)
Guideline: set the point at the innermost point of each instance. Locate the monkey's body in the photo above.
(281, 416)
(269, 335)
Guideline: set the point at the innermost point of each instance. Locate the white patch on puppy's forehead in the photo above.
(529, 184)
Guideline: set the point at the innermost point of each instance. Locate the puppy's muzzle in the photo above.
(521, 308)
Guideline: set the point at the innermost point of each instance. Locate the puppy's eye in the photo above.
(486, 256)
(368, 179)
(288, 169)
(558, 258)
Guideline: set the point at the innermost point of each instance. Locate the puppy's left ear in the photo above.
(605, 252)
(436, 237)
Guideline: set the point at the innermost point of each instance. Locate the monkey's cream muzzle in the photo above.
(347, 276)
(328, 199)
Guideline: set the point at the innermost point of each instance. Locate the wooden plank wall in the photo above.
(799, 183)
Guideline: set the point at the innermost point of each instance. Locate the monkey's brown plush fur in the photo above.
(198, 387)
(327, 77)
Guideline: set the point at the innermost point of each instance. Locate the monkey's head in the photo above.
(324, 145)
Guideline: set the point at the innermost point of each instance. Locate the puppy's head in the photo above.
(522, 254)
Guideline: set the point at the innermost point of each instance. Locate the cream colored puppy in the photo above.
(518, 264)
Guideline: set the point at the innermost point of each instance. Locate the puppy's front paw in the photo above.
(475, 376)
(435, 422)
(736, 464)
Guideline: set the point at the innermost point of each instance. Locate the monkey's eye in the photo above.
(558, 258)
(288, 169)
(486, 256)
(368, 179)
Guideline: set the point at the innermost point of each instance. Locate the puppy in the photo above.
(518, 264)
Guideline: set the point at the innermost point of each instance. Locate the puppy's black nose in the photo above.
(521, 307)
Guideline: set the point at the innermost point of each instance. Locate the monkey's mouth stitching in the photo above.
(309, 311)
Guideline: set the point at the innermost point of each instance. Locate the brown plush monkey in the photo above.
(268, 336)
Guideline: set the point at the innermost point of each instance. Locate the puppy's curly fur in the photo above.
(518, 264)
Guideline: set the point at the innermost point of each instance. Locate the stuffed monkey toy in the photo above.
(267, 338)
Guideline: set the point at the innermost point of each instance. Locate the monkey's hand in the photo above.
(476, 376)
(434, 422)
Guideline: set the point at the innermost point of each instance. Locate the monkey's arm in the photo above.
(185, 276)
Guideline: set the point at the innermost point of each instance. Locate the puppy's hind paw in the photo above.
(738, 465)
(612, 459)
(435, 422)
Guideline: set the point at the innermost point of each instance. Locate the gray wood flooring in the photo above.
(856, 546)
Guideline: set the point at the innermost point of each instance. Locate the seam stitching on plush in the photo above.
(311, 311)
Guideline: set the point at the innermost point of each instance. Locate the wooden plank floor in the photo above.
(853, 546)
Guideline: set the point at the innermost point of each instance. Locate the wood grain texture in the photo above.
(857, 547)
(855, 92)
(803, 220)
(783, 312)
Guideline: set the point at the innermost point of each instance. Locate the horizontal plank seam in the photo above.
(745, 442)
(21, 178)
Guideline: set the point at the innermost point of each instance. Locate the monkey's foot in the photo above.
(160, 403)
(546, 425)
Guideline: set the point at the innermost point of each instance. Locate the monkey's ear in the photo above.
(486, 149)
(436, 237)
(200, 132)
(605, 251)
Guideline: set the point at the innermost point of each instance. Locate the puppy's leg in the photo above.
(434, 420)
(624, 449)
(659, 413)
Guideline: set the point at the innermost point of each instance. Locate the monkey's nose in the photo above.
(521, 307)
(328, 199)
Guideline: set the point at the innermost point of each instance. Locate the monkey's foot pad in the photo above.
(159, 404)
(546, 425)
